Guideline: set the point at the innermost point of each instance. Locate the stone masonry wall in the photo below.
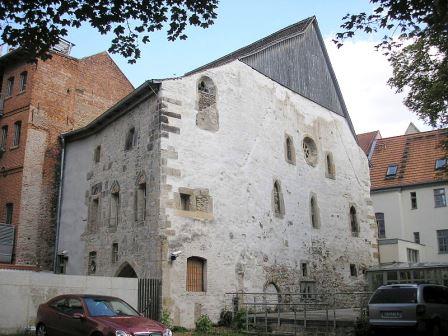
(245, 245)
(138, 239)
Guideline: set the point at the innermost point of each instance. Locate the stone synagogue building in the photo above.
(242, 175)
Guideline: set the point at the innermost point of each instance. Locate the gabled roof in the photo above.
(366, 140)
(414, 154)
(294, 57)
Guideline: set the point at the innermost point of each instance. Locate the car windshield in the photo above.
(395, 295)
(108, 307)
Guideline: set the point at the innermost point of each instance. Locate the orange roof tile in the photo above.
(365, 140)
(414, 154)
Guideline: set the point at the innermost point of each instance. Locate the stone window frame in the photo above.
(97, 154)
(278, 203)
(207, 117)
(114, 253)
(131, 138)
(114, 205)
(23, 81)
(196, 283)
(141, 197)
(314, 211)
(353, 271)
(209, 85)
(193, 211)
(310, 151)
(290, 149)
(330, 168)
(354, 221)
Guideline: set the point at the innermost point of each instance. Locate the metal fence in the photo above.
(149, 298)
(267, 311)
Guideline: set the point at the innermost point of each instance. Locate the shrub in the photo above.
(204, 325)
(239, 320)
(166, 319)
(225, 318)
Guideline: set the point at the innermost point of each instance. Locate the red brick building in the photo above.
(39, 101)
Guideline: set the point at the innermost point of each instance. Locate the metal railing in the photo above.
(298, 309)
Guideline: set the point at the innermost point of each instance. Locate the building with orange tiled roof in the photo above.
(408, 189)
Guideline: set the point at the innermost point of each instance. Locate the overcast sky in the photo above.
(361, 71)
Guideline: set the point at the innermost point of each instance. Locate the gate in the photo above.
(149, 298)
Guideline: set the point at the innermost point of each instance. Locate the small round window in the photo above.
(310, 151)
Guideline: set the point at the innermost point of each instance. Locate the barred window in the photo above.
(196, 274)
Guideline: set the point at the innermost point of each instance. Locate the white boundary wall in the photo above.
(21, 293)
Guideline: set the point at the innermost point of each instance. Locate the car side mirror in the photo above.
(78, 316)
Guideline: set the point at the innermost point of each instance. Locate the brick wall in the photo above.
(62, 93)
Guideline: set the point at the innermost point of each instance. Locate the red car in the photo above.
(93, 315)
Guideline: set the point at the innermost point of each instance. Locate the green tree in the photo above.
(36, 26)
(416, 43)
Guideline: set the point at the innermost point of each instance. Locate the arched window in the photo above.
(114, 204)
(310, 151)
(277, 196)
(207, 118)
(196, 274)
(354, 222)
(130, 139)
(314, 212)
(289, 150)
(330, 171)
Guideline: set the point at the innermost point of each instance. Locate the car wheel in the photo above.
(41, 330)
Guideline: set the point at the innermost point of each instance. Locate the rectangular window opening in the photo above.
(417, 237)
(304, 267)
(97, 154)
(23, 80)
(381, 224)
(4, 137)
(442, 239)
(413, 200)
(441, 164)
(353, 270)
(9, 209)
(185, 200)
(413, 255)
(92, 263)
(9, 86)
(115, 252)
(439, 198)
(17, 133)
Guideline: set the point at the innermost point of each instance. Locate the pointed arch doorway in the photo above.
(126, 271)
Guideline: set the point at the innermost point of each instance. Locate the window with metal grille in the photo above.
(17, 133)
(442, 239)
(381, 224)
(417, 237)
(114, 252)
(391, 171)
(196, 274)
(439, 198)
(9, 210)
(23, 81)
(92, 263)
(413, 200)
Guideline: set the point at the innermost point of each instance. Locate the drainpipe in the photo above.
(58, 214)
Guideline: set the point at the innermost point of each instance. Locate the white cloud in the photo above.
(362, 73)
